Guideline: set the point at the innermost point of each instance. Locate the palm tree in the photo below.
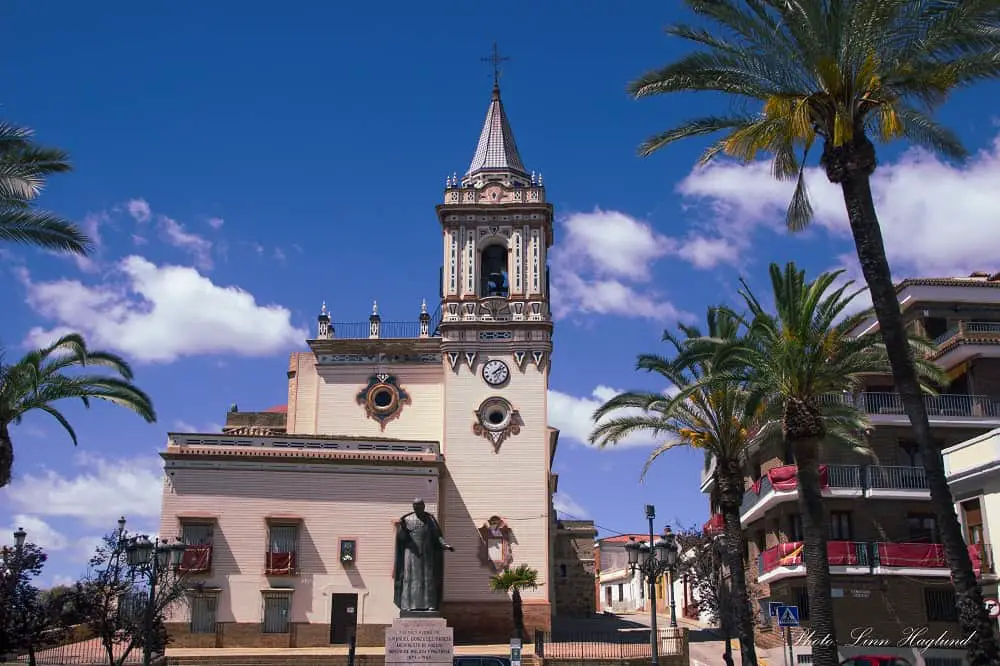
(722, 420)
(792, 361)
(512, 581)
(39, 379)
(845, 72)
(24, 167)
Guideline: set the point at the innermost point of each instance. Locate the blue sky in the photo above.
(296, 154)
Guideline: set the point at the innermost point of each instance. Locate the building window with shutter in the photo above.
(203, 607)
(840, 526)
(276, 608)
(621, 591)
(282, 542)
(972, 514)
(795, 527)
(922, 528)
(940, 604)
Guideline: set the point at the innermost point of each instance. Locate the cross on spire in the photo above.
(495, 59)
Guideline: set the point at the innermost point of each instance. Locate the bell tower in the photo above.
(496, 340)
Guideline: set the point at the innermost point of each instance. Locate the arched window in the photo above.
(493, 271)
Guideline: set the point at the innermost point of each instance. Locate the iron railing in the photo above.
(969, 327)
(948, 404)
(838, 476)
(395, 330)
(608, 645)
(82, 653)
(873, 554)
(895, 477)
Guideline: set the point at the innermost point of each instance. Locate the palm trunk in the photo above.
(851, 166)
(6, 455)
(518, 614)
(730, 480)
(814, 552)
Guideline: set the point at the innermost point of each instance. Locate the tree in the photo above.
(723, 419)
(512, 581)
(20, 605)
(793, 360)
(114, 601)
(24, 166)
(845, 72)
(40, 379)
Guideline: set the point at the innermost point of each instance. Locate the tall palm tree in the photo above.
(512, 581)
(723, 420)
(24, 166)
(40, 379)
(791, 360)
(845, 72)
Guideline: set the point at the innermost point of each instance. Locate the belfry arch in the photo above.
(494, 279)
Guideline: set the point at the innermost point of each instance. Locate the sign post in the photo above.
(515, 652)
(788, 617)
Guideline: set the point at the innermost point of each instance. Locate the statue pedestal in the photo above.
(422, 638)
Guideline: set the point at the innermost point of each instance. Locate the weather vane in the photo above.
(495, 59)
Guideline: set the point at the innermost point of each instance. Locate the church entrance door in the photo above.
(343, 618)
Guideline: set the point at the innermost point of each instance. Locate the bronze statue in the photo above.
(419, 564)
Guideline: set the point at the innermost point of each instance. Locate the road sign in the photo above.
(992, 607)
(788, 616)
(772, 608)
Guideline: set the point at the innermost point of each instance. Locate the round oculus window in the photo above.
(382, 398)
(494, 414)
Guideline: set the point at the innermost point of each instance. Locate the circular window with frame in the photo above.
(383, 399)
(495, 414)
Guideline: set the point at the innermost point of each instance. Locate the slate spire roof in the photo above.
(496, 151)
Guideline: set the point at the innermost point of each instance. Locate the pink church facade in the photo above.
(289, 514)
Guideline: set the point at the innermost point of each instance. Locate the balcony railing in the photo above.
(948, 404)
(872, 555)
(279, 564)
(969, 328)
(196, 559)
(848, 477)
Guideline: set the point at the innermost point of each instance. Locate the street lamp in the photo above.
(148, 558)
(652, 560)
(12, 563)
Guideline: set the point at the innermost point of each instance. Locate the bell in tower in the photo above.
(493, 272)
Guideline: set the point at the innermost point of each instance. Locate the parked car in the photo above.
(876, 660)
(484, 660)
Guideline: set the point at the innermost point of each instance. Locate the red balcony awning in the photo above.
(715, 525)
(279, 564)
(785, 478)
(912, 555)
(196, 558)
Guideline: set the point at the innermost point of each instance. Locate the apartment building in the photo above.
(619, 590)
(888, 566)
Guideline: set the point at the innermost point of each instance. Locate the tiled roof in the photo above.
(624, 538)
(496, 150)
(278, 409)
(978, 279)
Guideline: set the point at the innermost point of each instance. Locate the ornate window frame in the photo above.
(496, 420)
(496, 533)
(383, 398)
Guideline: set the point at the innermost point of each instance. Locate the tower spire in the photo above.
(496, 156)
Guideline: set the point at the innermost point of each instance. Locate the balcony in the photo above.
(945, 409)
(196, 559)
(965, 340)
(279, 564)
(854, 558)
(780, 485)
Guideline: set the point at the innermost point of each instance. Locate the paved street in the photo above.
(704, 645)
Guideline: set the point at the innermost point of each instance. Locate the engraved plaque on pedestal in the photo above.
(424, 641)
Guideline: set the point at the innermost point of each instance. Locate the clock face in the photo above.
(495, 373)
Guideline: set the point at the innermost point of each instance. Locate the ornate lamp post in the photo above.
(12, 563)
(148, 558)
(653, 563)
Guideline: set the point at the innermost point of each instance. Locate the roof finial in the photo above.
(322, 310)
(423, 306)
(375, 308)
(495, 59)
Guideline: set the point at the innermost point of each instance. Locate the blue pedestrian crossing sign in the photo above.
(788, 616)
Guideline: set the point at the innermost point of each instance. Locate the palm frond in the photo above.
(46, 230)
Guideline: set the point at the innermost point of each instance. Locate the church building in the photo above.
(289, 514)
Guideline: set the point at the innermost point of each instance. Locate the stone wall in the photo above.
(272, 420)
(574, 568)
(492, 622)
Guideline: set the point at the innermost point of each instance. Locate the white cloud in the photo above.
(937, 218)
(567, 506)
(161, 313)
(38, 531)
(102, 491)
(199, 248)
(139, 210)
(601, 259)
(216, 222)
(574, 416)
